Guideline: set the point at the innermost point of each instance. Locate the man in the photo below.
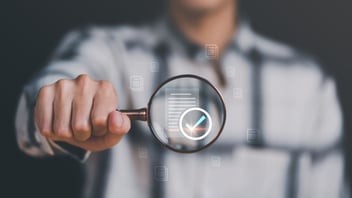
(283, 132)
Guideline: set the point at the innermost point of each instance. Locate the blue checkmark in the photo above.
(201, 119)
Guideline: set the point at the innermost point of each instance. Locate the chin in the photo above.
(200, 5)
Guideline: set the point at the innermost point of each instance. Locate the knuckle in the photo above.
(99, 121)
(81, 127)
(44, 131)
(105, 85)
(62, 132)
(107, 90)
(44, 91)
(85, 84)
(62, 84)
(83, 78)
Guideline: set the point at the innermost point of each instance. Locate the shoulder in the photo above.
(286, 55)
(295, 81)
(100, 39)
(289, 62)
(136, 34)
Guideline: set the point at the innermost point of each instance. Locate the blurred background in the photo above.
(30, 30)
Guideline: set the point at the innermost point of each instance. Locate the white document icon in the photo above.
(179, 100)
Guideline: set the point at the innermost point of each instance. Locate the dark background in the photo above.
(30, 30)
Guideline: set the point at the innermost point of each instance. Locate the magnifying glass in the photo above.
(186, 113)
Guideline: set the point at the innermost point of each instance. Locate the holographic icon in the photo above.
(136, 83)
(177, 101)
(237, 93)
(195, 123)
(230, 71)
(252, 136)
(211, 51)
(161, 173)
(215, 161)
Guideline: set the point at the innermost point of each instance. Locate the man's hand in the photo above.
(81, 112)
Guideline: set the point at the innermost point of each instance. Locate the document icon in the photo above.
(136, 83)
(179, 100)
(161, 173)
(211, 51)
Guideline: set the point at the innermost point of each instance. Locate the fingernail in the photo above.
(119, 120)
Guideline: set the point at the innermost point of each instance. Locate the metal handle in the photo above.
(135, 114)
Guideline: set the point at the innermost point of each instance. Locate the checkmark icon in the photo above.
(201, 119)
(202, 126)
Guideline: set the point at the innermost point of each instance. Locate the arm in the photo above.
(329, 118)
(44, 124)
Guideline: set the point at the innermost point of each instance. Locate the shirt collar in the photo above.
(242, 40)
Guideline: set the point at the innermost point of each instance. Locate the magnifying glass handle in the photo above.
(135, 114)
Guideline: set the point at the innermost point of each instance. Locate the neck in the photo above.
(209, 27)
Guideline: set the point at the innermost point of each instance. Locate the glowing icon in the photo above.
(195, 123)
(161, 173)
(230, 71)
(177, 101)
(252, 136)
(215, 161)
(237, 93)
(136, 82)
(211, 51)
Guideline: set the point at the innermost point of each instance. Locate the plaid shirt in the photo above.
(284, 124)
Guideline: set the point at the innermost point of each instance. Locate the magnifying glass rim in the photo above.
(186, 76)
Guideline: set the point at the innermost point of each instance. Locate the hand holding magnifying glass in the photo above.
(186, 113)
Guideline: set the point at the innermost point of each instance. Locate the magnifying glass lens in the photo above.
(186, 113)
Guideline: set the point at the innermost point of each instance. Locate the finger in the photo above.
(119, 123)
(81, 108)
(43, 111)
(105, 101)
(81, 125)
(62, 109)
(97, 143)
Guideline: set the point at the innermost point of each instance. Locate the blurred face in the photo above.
(199, 6)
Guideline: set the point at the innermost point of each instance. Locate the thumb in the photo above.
(119, 123)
